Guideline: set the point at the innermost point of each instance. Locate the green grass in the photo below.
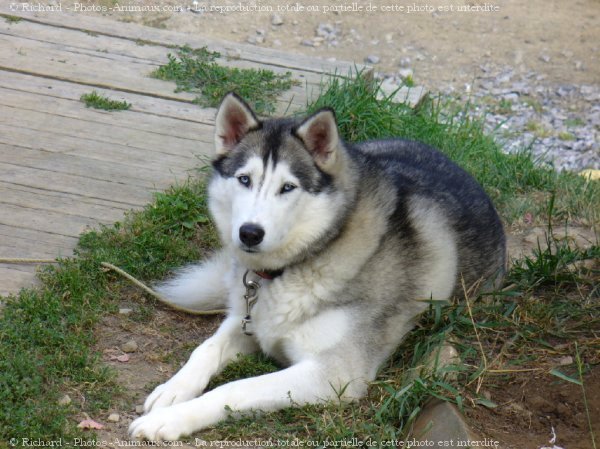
(574, 122)
(45, 351)
(244, 366)
(513, 181)
(11, 19)
(97, 101)
(47, 334)
(196, 70)
(174, 228)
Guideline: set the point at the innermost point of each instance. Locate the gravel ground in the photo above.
(530, 114)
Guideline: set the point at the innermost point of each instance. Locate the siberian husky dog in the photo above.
(330, 250)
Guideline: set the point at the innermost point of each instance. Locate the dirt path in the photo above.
(558, 39)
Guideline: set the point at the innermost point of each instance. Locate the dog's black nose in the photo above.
(251, 234)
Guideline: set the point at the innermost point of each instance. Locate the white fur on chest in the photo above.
(292, 323)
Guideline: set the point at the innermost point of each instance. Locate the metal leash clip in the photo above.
(251, 296)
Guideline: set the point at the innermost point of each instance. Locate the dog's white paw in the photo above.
(174, 391)
(165, 424)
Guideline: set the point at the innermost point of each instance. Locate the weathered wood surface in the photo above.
(65, 168)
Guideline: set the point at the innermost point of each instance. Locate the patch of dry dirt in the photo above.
(531, 405)
(522, 240)
(560, 40)
(163, 343)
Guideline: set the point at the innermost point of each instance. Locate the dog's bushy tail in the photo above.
(197, 287)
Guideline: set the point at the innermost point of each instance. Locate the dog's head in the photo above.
(279, 188)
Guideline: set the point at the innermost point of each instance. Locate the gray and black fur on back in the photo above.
(420, 170)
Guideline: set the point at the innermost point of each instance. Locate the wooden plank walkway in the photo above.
(65, 168)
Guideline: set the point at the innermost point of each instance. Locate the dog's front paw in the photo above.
(171, 392)
(181, 388)
(165, 424)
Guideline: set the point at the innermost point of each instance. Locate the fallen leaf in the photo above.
(90, 424)
(123, 358)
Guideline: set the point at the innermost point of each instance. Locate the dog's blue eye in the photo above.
(287, 187)
(244, 180)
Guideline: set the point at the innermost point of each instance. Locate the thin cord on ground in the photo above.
(138, 283)
(159, 297)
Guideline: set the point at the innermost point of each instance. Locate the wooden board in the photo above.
(65, 168)
(152, 36)
(55, 89)
(28, 47)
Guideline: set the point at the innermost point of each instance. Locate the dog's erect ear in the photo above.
(320, 135)
(234, 120)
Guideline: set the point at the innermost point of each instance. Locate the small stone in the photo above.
(114, 417)
(65, 400)
(521, 88)
(510, 96)
(307, 43)
(276, 20)
(564, 361)
(411, 96)
(139, 409)
(504, 77)
(590, 94)
(443, 361)
(437, 420)
(325, 29)
(125, 311)
(544, 58)
(405, 73)
(372, 59)
(130, 346)
(404, 62)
